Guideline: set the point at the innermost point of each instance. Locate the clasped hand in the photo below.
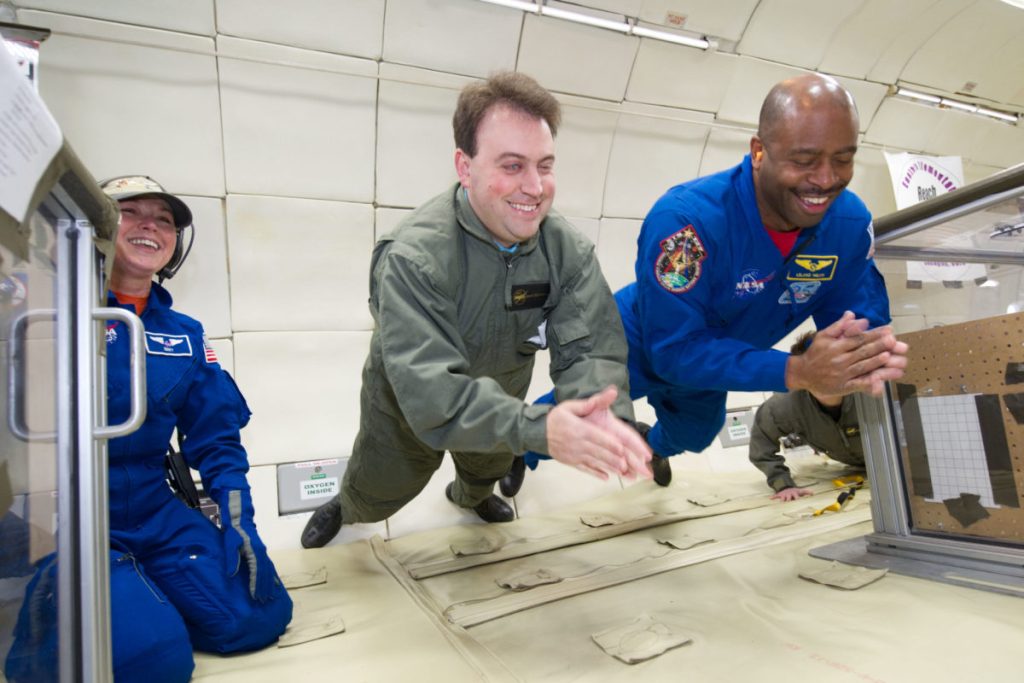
(585, 434)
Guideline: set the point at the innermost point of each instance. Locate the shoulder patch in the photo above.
(678, 266)
(211, 355)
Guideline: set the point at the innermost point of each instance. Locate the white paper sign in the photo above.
(916, 178)
(29, 138)
(944, 271)
(318, 488)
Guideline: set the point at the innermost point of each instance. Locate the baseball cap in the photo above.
(131, 186)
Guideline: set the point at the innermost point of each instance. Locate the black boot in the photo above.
(513, 481)
(660, 467)
(323, 525)
(491, 509)
(662, 470)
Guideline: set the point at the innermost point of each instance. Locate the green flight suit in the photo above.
(458, 323)
(797, 412)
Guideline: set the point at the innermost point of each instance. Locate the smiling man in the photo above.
(464, 293)
(730, 263)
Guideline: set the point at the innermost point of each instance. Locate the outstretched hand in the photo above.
(791, 493)
(585, 434)
(846, 357)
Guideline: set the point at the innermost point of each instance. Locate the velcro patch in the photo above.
(679, 265)
(159, 344)
(813, 268)
(529, 295)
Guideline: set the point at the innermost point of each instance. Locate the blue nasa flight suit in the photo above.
(713, 295)
(176, 579)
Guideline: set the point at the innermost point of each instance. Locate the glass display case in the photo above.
(53, 468)
(945, 445)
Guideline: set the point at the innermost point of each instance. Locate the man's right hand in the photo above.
(846, 357)
(585, 434)
(791, 494)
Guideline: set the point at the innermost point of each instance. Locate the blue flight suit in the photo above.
(713, 295)
(176, 578)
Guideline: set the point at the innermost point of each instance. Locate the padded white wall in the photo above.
(299, 132)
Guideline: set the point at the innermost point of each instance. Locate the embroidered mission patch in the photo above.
(678, 266)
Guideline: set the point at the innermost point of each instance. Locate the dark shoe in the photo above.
(513, 481)
(323, 525)
(492, 509)
(662, 470)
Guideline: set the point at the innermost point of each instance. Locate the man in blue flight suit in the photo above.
(177, 581)
(729, 264)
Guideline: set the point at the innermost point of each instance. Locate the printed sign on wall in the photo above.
(917, 178)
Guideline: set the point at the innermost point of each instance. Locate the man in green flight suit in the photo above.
(464, 292)
(827, 423)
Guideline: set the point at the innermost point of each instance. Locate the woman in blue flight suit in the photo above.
(177, 581)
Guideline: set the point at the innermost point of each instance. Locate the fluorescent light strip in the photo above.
(669, 37)
(955, 104)
(610, 24)
(516, 4)
(619, 26)
(913, 94)
(1009, 118)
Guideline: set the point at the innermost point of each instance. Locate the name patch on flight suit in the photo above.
(529, 295)
(809, 268)
(159, 344)
(678, 266)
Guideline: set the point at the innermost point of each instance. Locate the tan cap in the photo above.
(132, 186)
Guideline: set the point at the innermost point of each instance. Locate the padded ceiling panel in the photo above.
(868, 97)
(794, 31)
(353, 27)
(999, 144)
(751, 81)
(890, 62)
(415, 149)
(871, 181)
(650, 153)
(582, 148)
(854, 49)
(982, 45)
(433, 34)
(189, 16)
(315, 125)
(904, 125)
(724, 149)
(97, 78)
(576, 59)
(709, 17)
(679, 76)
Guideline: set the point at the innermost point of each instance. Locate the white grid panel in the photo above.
(956, 452)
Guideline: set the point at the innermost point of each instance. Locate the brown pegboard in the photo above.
(970, 358)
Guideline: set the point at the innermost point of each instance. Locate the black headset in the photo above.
(179, 254)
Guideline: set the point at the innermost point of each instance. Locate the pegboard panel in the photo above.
(961, 411)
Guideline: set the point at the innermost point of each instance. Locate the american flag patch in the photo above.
(211, 356)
